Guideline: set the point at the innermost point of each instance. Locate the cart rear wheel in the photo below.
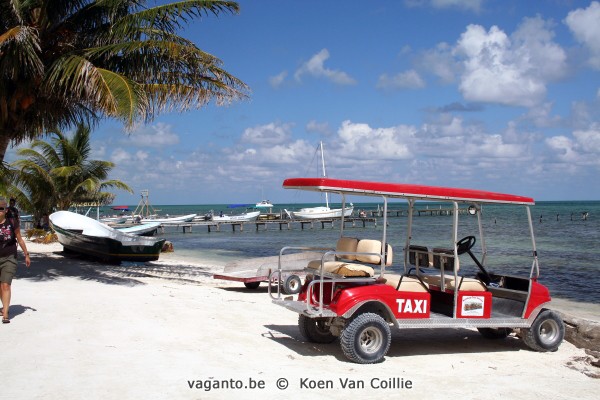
(292, 284)
(366, 339)
(546, 332)
(314, 330)
(494, 333)
(252, 285)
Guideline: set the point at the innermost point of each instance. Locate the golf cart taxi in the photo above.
(350, 294)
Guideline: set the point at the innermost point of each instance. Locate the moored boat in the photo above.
(167, 220)
(264, 204)
(147, 229)
(321, 211)
(245, 217)
(87, 236)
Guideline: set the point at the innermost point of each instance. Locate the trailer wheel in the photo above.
(366, 339)
(252, 285)
(292, 284)
(495, 333)
(314, 330)
(546, 332)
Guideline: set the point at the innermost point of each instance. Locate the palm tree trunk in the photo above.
(4, 141)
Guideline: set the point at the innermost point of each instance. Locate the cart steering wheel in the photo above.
(465, 244)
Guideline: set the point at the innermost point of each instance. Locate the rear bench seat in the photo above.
(444, 258)
(343, 263)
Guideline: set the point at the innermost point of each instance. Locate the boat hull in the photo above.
(103, 242)
(320, 213)
(251, 216)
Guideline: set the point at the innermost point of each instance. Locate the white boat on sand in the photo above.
(85, 235)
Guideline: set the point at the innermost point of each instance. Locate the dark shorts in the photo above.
(8, 268)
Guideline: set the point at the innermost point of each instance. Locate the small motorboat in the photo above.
(84, 235)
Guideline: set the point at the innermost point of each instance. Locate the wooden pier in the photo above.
(265, 224)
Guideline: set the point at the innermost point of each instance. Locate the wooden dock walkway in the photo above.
(265, 224)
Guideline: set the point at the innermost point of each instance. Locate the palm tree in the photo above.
(57, 174)
(65, 62)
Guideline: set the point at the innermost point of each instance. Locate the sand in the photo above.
(81, 329)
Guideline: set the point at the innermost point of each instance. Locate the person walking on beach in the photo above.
(10, 235)
(12, 211)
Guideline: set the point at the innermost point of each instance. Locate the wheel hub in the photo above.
(370, 340)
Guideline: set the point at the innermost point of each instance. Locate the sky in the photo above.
(483, 94)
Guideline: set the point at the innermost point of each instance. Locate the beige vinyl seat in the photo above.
(444, 258)
(404, 283)
(344, 263)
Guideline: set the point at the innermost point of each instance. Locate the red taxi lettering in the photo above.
(412, 306)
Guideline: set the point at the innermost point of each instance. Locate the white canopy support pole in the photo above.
(411, 204)
(481, 237)
(456, 261)
(343, 214)
(383, 240)
(535, 266)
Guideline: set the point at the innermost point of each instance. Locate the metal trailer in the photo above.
(361, 310)
(251, 272)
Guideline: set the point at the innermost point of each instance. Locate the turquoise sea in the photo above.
(568, 239)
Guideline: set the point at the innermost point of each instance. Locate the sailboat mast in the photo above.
(324, 172)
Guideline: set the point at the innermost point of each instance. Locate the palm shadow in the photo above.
(52, 266)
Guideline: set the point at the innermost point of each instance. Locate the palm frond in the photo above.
(116, 95)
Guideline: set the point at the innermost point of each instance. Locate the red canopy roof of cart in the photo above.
(403, 190)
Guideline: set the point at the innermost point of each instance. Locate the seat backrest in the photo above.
(373, 246)
(418, 254)
(346, 244)
(443, 258)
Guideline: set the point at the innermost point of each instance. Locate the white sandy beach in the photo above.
(81, 329)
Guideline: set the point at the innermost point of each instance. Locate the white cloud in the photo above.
(158, 135)
(588, 140)
(267, 135)
(581, 149)
(315, 67)
(472, 5)
(318, 127)
(403, 80)
(563, 147)
(511, 71)
(360, 141)
(440, 62)
(277, 80)
(585, 25)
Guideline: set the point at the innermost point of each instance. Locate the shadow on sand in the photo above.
(46, 267)
(406, 342)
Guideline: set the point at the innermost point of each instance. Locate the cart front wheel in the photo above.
(252, 285)
(292, 284)
(314, 330)
(366, 339)
(546, 333)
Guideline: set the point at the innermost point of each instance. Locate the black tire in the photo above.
(314, 330)
(292, 285)
(366, 339)
(546, 333)
(495, 333)
(252, 285)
